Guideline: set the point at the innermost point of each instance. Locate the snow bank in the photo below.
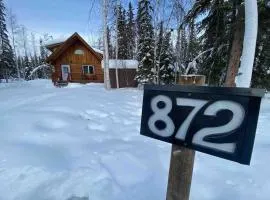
(83, 141)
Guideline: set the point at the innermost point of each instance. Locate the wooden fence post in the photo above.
(182, 159)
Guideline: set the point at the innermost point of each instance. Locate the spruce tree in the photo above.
(110, 46)
(159, 43)
(43, 52)
(166, 71)
(42, 60)
(131, 40)
(27, 67)
(146, 69)
(20, 65)
(181, 50)
(34, 62)
(261, 70)
(159, 49)
(7, 63)
(216, 29)
(122, 34)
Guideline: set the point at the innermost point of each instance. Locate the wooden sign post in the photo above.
(182, 159)
(220, 121)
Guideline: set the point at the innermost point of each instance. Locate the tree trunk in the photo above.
(117, 44)
(249, 45)
(106, 48)
(236, 47)
(6, 75)
(13, 26)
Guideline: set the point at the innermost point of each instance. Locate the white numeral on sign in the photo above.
(197, 104)
(161, 114)
(236, 121)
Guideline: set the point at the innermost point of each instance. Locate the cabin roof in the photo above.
(55, 41)
(65, 44)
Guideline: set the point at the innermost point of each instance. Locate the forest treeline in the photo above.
(168, 38)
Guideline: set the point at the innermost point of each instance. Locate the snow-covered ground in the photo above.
(84, 141)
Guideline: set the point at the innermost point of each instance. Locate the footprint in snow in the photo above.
(97, 127)
(51, 124)
(93, 114)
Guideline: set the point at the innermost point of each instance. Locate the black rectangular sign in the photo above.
(215, 120)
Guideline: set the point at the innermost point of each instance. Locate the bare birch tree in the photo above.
(14, 30)
(106, 47)
(116, 45)
(249, 44)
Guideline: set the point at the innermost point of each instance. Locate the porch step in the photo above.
(61, 84)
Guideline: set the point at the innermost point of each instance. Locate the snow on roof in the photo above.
(122, 64)
(97, 50)
(63, 39)
(55, 41)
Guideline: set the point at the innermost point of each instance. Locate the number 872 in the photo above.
(162, 114)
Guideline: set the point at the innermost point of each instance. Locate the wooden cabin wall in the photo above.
(76, 62)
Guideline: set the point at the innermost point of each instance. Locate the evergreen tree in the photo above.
(261, 70)
(166, 71)
(146, 70)
(131, 40)
(20, 65)
(14, 27)
(111, 50)
(159, 43)
(27, 67)
(221, 32)
(181, 49)
(159, 49)
(46, 72)
(35, 63)
(43, 52)
(193, 47)
(216, 28)
(34, 59)
(99, 44)
(122, 34)
(7, 63)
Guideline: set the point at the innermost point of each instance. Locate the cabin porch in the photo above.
(77, 73)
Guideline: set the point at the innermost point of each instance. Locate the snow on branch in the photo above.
(198, 56)
(193, 63)
(38, 68)
(197, 7)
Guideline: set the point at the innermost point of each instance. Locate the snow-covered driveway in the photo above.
(83, 141)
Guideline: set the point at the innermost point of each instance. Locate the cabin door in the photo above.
(65, 72)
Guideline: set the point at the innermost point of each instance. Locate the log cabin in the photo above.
(74, 60)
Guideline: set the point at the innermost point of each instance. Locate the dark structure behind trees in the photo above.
(126, 78)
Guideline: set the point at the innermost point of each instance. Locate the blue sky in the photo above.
(59, 17)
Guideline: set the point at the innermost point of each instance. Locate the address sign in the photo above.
(214, 120)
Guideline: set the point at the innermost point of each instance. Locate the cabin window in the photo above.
(88, 69)
(79, 52)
